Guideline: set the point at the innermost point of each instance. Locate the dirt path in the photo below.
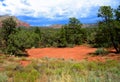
(76, 53)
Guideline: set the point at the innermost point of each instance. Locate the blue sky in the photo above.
(48, 12)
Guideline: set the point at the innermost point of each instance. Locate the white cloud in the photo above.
(52, 8)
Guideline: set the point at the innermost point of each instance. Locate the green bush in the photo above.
(49, 37)
(101, 51)
(20, 41)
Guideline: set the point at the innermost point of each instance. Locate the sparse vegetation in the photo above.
(58, 70)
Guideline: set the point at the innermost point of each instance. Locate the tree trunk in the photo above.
(116, 47)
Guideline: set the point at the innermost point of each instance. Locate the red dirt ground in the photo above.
(77, 53)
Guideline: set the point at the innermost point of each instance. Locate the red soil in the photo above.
(76, 53)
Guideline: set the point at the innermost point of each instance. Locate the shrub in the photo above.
(20, 41)
(101, 51)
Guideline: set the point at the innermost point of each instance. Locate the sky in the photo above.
(49, 12)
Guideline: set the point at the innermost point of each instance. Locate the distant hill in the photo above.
(88, 25)
(83, 25)
(56, 26)
(19, 22)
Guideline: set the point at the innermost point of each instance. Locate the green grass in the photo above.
(58, 70)
(3, 77)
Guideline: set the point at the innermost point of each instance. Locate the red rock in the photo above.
(19, 22)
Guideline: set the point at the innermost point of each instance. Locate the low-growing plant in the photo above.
(77, 67)
(3, 77)
(57, 70)
(24, 76)
(101, 51)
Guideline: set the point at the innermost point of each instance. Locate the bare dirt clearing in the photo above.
(76, 53)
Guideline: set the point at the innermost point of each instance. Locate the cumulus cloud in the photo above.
(53, 9)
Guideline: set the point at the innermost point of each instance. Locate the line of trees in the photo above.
(16, 40)
(107, 34)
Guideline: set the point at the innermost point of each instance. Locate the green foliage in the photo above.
(62, 42)
(22, 40)
(101, 51)
(107, 35)
(49, 37)
(37, 31)
(90, 35)
(3, 77)
(26, 76)
(8, 28)
(72, 33)
(73, 22)
(117, 13)
(101, 37)
(67, 36)
(105, 12)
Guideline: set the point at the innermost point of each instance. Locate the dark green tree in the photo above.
(49, 37)
(71, 34)
(8, 28)
(117, 13)
(38, 32)
(61, 40)
(21, 40)
(108, 24)
(73, 31)
(105, 12)
(74, 22)
(117, 25)
(101, 37)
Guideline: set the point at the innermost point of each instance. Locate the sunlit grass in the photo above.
(58, 70)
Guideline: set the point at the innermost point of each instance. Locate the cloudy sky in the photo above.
(48, 12)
